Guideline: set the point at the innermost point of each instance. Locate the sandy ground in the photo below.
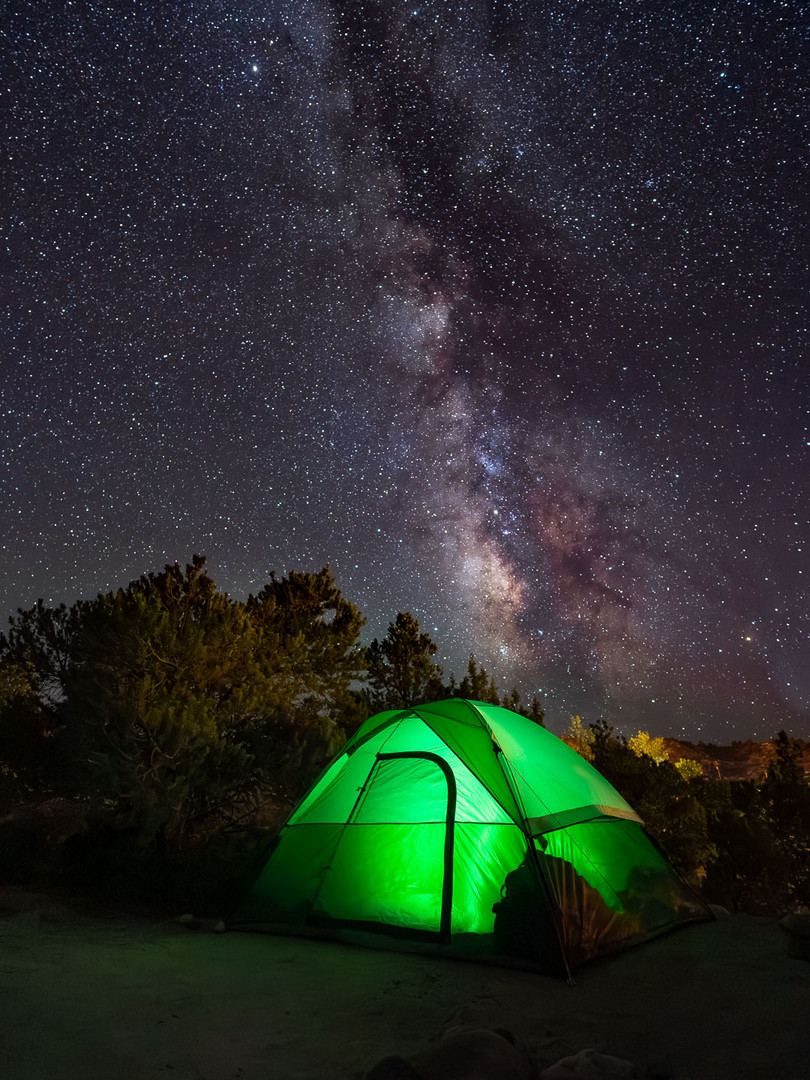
(86, 997)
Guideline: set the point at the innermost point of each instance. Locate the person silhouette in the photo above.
(524, 924)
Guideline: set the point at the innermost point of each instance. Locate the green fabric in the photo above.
(334, 796)
(609, 854)
(483, 856)
(404, 791)
(340, 788)
(550, 776)
(425, 816)
(374, 724)
(291, 877)
(330, 781)
(386, 873)
(389, 865)
(459, 724)
(537, 826)
(394, 873)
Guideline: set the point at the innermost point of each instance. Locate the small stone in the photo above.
(589, 1065)
(797, 928)
(796, 925)
(392, 1068)
(720, 913)
(475, 1055)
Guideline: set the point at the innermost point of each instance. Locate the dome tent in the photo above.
(465, 829)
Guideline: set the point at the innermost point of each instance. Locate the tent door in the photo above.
(393, 864)
(450, 820)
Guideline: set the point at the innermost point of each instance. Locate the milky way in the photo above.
(497, 308)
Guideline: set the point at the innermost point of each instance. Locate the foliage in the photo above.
(309, 654)
(786, 771)
(669, 806)
(164, 673)
(41, 641)
(151, 736)
(750, 872)
(478, 686)
(535, 712)
(747, 843)
(644, 743)
(580, 737)
(177, 707)
(401, 671)
(308, 641)
(21, 720)
(689, 769)
(786, 796)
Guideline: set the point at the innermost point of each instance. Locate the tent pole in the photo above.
(346, 823)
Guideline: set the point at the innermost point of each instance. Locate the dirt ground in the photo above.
(88, 996)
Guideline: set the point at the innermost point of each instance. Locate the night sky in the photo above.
(497, 308)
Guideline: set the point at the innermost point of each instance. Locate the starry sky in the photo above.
(496, 307)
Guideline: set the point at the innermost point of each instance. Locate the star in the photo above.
(499, 315)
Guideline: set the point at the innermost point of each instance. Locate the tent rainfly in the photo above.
(465, 829)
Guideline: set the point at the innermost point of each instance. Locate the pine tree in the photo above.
(309, 653)
(536, 712)
(163, 676)
(478, 686)
(171, 702)
(309, 639)
(401, 671)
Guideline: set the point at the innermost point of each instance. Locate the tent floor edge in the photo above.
(409, 942)
(267, 852)
(615, 950)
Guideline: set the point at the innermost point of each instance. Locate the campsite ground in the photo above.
(88, 995)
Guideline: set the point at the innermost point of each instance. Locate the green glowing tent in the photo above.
(466, 829)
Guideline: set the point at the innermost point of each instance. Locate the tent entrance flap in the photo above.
(575, 816)
(394, 862)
